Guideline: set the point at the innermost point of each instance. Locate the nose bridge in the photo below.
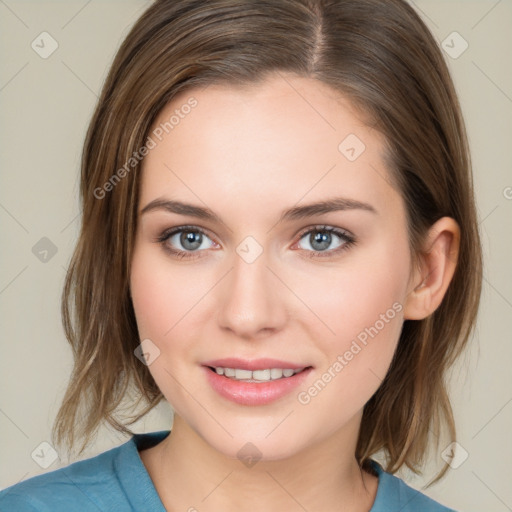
(251, 300)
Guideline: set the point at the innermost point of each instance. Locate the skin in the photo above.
(248, 153)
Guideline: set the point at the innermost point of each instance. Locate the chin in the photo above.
(268, 441)
(258, 449)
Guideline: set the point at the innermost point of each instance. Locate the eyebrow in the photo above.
(295, 213)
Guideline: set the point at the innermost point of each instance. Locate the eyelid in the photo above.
(347, 237)
(325, 227)
(176, 229)
(167, 233)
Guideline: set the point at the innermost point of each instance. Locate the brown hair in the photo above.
(382, 57)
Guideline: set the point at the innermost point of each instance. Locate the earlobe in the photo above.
(438, 261)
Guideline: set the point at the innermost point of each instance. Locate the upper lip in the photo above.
(254, 364)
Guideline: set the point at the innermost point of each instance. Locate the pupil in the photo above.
(191, 240)
(323, 240)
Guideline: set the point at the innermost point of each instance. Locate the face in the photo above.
(319, 289)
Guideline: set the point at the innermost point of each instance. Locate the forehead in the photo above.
(276, 141)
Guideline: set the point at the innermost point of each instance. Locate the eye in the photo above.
(190, 239)
(320, 238)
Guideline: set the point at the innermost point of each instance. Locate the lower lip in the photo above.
(253, 393)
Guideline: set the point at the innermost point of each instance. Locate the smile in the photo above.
(256, 375)
(254, 383)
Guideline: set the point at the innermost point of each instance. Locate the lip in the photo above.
(254, 393)
(255, 364)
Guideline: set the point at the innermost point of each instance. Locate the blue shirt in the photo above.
(117, 480)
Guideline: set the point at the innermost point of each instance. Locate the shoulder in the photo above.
(393, 494)
(113, 480)
(84, 482)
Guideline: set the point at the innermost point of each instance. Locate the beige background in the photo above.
(46, 105)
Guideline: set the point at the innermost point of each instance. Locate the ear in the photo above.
(437, 262)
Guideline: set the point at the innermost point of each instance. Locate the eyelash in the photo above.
(347, 239)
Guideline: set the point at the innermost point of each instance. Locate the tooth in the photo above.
(276, 373)
(261, 375)
(256, 375)
(243, 374)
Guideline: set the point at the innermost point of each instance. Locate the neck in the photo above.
(189, 474)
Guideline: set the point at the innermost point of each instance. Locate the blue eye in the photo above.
(320, 238)
(190, 238)
(193, 241)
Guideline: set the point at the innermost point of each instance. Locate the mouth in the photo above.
(254, 382)
(263, 375)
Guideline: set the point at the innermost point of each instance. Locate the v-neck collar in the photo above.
(141, 492)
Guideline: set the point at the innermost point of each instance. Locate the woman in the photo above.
(278, 229)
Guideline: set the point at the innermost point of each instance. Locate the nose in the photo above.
(252, 301)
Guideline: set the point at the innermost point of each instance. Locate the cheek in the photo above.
(363, 305)
(171, 309)
(161, 296)
(150, 302)
(163, 301)
(367, 289)
(367, 300)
